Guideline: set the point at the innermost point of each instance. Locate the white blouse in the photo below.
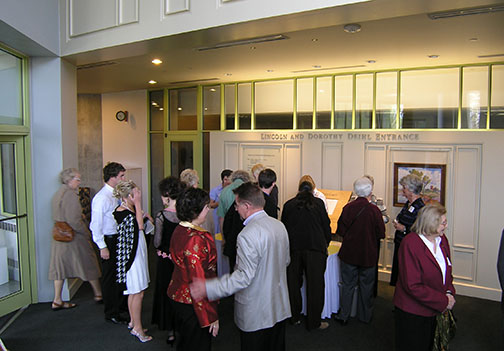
(438, 255)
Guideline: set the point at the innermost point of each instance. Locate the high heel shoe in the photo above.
(142, 338)
(130, 326)
(171, 339)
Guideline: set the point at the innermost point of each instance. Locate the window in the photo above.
(274, 104)
(386, 100)
(343, 93)
(183, 106)
(497, 111)
(156, 110)
(211, 107)
(229, 105)
(430, 98)
(244, 106)
(11, 89)
(474, 97)
(304, 113)
(324, 94)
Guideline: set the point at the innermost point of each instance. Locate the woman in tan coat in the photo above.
(74, 259)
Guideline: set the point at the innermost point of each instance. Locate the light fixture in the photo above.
(327, 69)
(317, 66)
(252, 48)
(157, 61)
(433, 56)
(371, 61)
(352, 28)
(244, 42)
(161, 109)
(179, 108)
(314, 39)
(154, 103)
(212, 89)
(269, 70)
(228, 74)
(473, 39)
(465, 12)
(152, 82)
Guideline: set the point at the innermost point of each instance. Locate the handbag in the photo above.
(446, 327)
(62, 232)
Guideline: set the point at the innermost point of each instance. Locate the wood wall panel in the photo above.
(466, 189)
(331, 166)
(463, 265)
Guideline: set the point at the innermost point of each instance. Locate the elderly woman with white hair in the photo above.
(412, 187)
(76, 258)
(190, 177)
(361, 226)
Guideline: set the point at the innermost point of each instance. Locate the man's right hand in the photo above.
(104, 253)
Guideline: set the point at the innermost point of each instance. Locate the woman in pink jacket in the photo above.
(425, 285)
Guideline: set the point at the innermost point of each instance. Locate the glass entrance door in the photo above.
(15, 286)
(183, 151)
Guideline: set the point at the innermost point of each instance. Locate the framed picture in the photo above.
(432, 175)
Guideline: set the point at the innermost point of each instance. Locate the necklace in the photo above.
(125, 205)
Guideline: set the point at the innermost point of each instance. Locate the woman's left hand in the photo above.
(214, 328)
(136, 196)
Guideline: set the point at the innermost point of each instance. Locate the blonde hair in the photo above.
(124, 188)
(67, 175)
(307, 178)
(190, 177)
(256, 169)
(428, 220)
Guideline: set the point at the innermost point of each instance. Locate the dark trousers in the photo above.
(191, 336)
(313, 265)
(363, 277)
(114, 300)
(269, 339)
(413, 332)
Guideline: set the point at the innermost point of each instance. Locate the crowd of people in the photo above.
(270, 258)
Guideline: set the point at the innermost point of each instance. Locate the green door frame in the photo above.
(27, 272)
(194, 137)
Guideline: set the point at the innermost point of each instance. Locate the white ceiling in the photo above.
(393, 34)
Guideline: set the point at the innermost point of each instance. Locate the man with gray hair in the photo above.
(361, 226)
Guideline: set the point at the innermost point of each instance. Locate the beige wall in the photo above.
(126, 142)
(335, 159)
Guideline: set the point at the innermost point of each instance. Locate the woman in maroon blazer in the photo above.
(425, 285)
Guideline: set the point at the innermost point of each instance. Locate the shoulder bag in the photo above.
(62, 231)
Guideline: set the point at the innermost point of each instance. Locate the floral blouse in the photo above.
(194, 255)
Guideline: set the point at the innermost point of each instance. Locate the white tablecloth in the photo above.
(332, 291)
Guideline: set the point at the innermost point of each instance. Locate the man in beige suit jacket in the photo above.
(260, 280)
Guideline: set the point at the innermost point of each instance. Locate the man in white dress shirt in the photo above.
(104, 229)
(259, 281)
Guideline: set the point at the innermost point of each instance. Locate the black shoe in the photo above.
(117, 320)
(341, 321)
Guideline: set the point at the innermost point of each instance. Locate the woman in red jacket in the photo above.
(193, 252)
(425, 285)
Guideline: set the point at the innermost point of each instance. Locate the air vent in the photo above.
(465, 12)
(194, 81)
(327, 69)
(490, 56)
(244, 42)
(97, 64)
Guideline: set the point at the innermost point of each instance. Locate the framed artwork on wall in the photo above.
(433, 177)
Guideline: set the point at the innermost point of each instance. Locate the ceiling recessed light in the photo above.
(371, 61)
(212, 89)
(206, 108)
(322, 91)
(161, 109)
(228, 74)
(316, 66)
(152, 81)
(433, 56)
(473, 39)
(157, 61)
(179, 108)
(252, 48)
(154, 103)
(314, 39)
(269, 70)
(352, 28)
